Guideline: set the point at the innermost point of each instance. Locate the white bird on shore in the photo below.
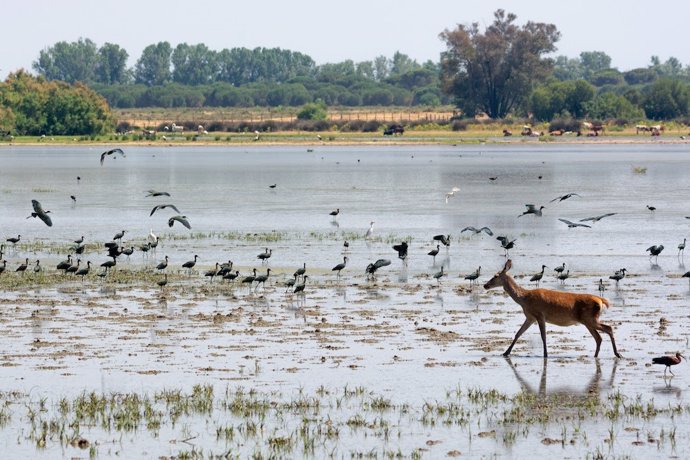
(152, 236)
(370, 232)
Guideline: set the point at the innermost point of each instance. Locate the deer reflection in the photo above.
(591, 391)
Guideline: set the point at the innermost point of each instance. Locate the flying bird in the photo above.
(40, 213)
(163, 206)
(486, 230)
(111, 152)
(181, 219)
(564, 197)
(532, 209)
(598, 218)
(574, 224)
(156, 193)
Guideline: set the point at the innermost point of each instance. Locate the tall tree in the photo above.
(153, 67)
(68, 62)
(593, 62)
(194, 64)
(111, 66)
(493, 72)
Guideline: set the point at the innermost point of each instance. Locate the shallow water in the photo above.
(402, 337)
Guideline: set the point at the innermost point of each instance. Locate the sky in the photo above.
(629, 31)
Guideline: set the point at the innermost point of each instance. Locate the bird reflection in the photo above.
(334, 223)
(591, 390)
(667, 388)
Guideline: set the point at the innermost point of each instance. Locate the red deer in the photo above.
(555, 307)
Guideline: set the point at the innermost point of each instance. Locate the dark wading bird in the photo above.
(190, 264)
(335, 213)
(338, 268)
(434, 252)
(440, 274)
(564, 197)
(84, 271)
(181, 219)
(164, 281)
(532, 209)
(475, 231)
(22, 268)
(40, 213)
(596, 219)
(300, 271)
(163, 265)
(574, 224)
(472, 277)
(536, 278)
(619, 275)
(300, 287)
(156, 193)
(668, 361)
(3, 267)
(373, 267)
(13, 240)
(655, 250)
(651, 208)
(506, 244)
(543, 306)
(264, 256)
(681, 247)
(401, 250)
(290, 283)
(560, 269)
(443, 239)
(163, 206)
(111, 152)
(261, 279)
(119, 235)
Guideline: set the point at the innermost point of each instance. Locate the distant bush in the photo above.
(459, 125)
(313, 111)
(566, 124)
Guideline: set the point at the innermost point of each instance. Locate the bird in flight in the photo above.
(532, 209)
(564, 197)
(598, 218)
(110, 152)
(163, 206)
(475, 230)
(40, 213)
(574, 224)
(156, 193)
(181, 219)
(451, 194)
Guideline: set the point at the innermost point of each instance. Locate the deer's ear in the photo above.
(507, 266)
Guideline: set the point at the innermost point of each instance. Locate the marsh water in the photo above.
(403, 337)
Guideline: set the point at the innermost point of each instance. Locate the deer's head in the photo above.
(499, 278)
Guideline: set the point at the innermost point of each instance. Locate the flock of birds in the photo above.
(297, 283)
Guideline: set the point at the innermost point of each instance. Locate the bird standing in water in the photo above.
(668, 361)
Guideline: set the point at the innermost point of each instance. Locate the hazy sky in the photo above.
(629, 31)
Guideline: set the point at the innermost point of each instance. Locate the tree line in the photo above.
(195, 76)
(506, 70)
(502, 70)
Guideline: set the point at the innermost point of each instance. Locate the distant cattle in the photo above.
(642, 129)
(176, 128)
(394, 129)
(597, 129)
(507, 133)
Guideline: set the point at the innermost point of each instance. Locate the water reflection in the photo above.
(591, 390)
(667, 388)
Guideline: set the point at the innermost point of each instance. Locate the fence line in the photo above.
(153, 121)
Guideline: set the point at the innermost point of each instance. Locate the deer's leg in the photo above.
(606, 329)
(597, 338)
(528, 322)
(542, 331)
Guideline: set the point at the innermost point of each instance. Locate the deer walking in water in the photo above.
(561, 308)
